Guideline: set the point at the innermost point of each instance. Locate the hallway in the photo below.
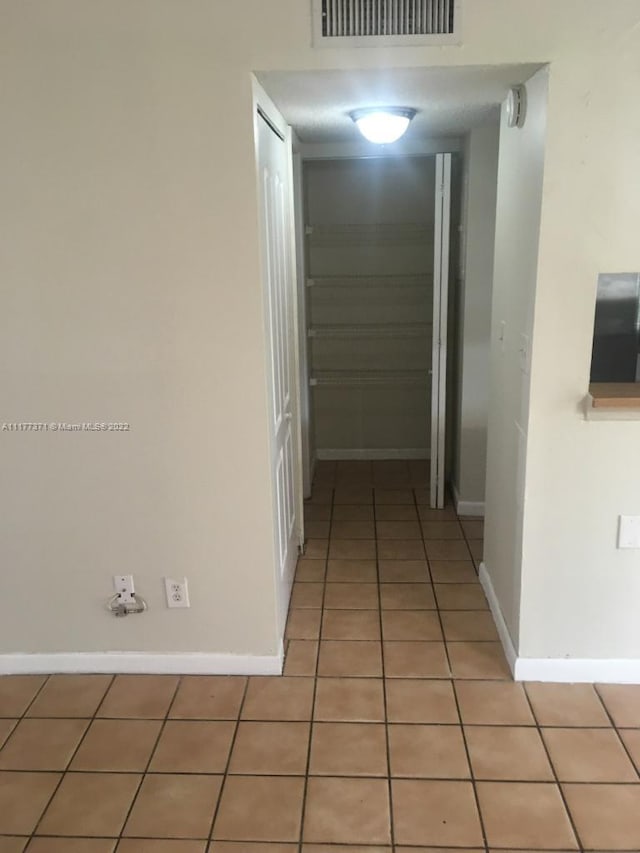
(395, 729)
(413, 692)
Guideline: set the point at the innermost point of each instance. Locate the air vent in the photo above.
(395, 21)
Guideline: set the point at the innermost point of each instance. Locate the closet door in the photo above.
(440, 320)
(277, 262)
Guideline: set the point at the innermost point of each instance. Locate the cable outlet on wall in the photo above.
(629, 531)
(177, 592)
(123, 585)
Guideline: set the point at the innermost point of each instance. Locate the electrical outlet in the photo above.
(123, 585)
(177, 592)
(629, 531)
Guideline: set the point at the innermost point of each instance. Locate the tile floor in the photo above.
(395, 729)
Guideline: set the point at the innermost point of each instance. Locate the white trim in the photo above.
(439, 342)
(367, 150)
(187, 663)
(302, 340)
(574, 670)
(262, 101)
(498, 618)
(375, 453)
(472, 509)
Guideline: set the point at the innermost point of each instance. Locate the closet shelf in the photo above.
(370, 377)
(364, 235)
(371, 281)
(387, 330)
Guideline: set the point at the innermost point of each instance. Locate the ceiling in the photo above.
(449, 100)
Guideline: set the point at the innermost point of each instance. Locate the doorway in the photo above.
(453, 106)
(475, 330)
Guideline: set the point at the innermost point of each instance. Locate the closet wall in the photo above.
(369, 245)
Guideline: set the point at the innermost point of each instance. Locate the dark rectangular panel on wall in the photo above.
(616, 333)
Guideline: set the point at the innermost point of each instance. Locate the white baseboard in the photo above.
(329, 453)
(562, 670)
(474, 509)
(147, 663)
(498, 618)
(574, 670)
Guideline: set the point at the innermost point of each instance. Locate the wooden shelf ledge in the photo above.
(615, 395)
(613, 401)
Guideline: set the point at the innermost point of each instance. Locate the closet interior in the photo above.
(369, 227)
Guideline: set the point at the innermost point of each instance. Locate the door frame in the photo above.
(440, 340)
(263, 109)
(306, 442)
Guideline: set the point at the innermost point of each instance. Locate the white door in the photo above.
(440, 319)
(274, 166)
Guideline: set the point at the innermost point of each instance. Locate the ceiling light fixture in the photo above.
(383, 125)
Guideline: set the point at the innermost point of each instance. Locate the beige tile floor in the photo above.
(395, 729)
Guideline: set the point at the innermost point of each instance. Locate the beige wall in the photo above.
(131, 291)
(580, 594)
(517, 226)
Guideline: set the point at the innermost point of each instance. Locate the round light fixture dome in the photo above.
(383, 125)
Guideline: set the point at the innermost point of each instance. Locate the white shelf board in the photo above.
(326, 236)
(371, 281)
(370, 377)
(388, 330)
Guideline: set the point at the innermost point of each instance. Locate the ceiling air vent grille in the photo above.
(365, 19)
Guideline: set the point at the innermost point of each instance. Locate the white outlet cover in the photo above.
(177, 592)
(629, 531)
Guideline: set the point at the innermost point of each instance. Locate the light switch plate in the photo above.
(629, 531)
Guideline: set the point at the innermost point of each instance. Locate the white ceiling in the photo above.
(449, 100)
